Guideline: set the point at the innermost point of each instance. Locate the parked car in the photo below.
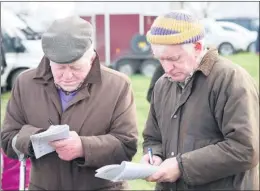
(251, 24)
(20, 54)
(227, 42)
(233, 27)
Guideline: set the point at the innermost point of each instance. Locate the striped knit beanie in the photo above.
(176, 27)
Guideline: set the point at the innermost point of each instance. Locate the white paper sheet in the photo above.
(40, 141)
(125, 171)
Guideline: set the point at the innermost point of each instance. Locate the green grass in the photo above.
(140, 85)
(248, 61)
(4, 99)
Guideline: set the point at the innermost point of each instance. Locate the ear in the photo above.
(198, 46)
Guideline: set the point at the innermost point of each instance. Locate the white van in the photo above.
(20, 54)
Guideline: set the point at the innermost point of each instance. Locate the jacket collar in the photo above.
(208, 61)
(44, 74)
(205, 66)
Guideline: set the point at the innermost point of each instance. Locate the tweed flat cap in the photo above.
(67, 39)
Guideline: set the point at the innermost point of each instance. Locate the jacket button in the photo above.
(175, 116)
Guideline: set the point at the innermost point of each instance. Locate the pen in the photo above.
(50, 122)
(150, 153)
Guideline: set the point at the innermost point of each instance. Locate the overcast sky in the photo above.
(45, 11)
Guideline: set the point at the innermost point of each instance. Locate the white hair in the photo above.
(87, 56)
(89, 52)
(159, 49)
(190, 47)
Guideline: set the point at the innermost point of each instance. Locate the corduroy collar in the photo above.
(205, 66)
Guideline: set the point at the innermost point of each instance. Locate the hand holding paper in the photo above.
(40, 141)
(168, 172)
(126, 171)
(70, 148)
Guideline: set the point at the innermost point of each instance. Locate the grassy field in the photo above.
(248, 61)
(140, 85)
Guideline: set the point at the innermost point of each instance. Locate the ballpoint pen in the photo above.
(50, 122)
(150, 153)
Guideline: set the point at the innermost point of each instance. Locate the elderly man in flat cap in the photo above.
(203, 124)
(71, 87)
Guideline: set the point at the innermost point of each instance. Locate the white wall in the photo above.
(47, 11)
(44, 12)
(84, 8)
(242, 9)
(226, 9)
(56, 9)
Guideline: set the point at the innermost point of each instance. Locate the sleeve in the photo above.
(152, 134)
(120, 143)
(14, 124)
(237, 114)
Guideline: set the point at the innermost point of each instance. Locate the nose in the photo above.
(168, 67)
(67, 74)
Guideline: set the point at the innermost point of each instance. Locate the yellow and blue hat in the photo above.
(175, 27)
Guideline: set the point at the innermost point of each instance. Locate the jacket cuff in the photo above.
(184, 175)
(23, 141)
(82, 161)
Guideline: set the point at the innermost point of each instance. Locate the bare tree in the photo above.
(201, 9)
(205, 9)
(178, 4)
(182, 4)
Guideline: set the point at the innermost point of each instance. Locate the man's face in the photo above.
(70, 76)
(176, 61)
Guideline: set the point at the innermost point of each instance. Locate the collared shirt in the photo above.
(182, 85)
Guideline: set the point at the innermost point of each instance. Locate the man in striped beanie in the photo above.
(203, 124)
(185, 32)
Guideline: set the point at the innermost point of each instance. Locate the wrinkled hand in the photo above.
(70, 148)
(156, 160)
(168, 172)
